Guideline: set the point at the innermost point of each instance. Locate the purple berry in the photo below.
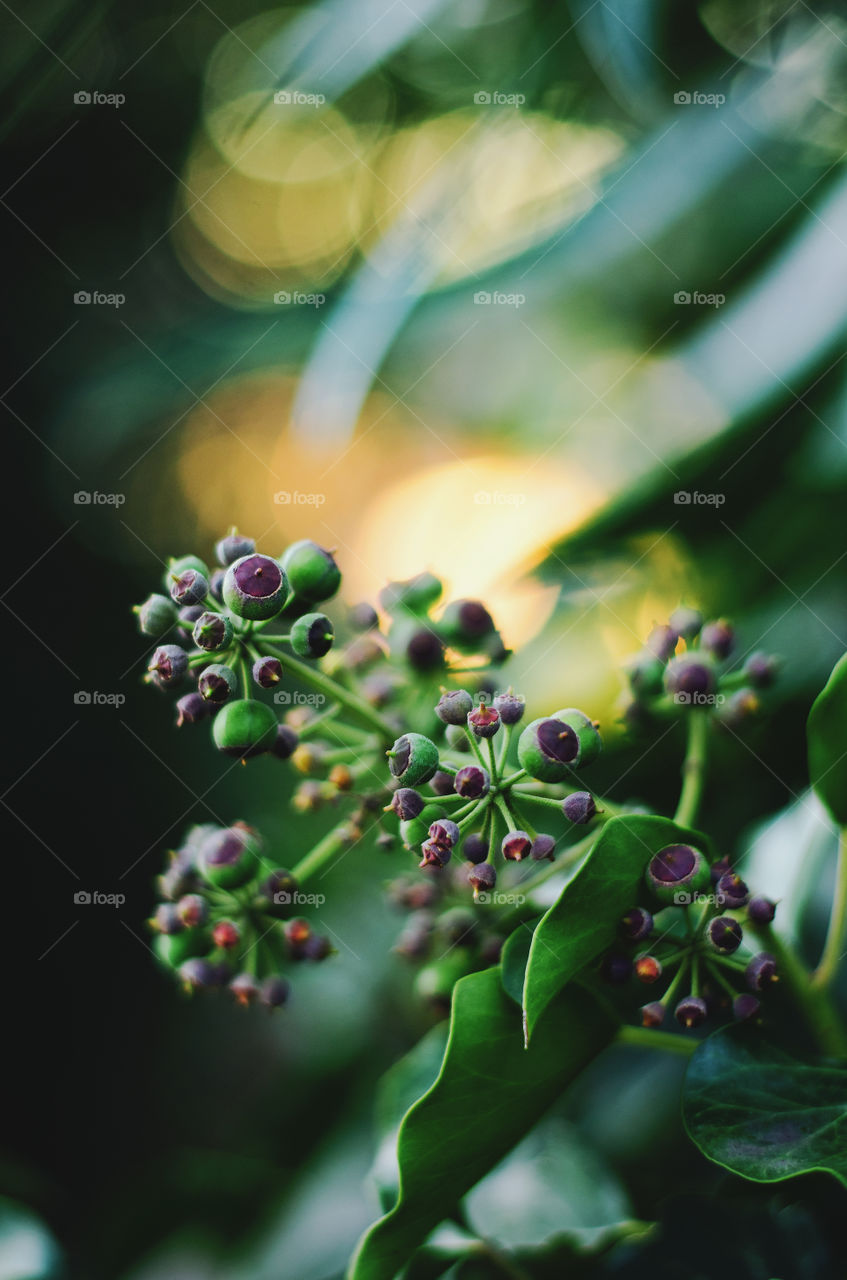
(745, 1007)
(511, 707)
(168, 665)
(761, 669)
(233, 547)
(484, 721)
(482, 877)
(579, 807)
(516, 846)
(731, 891)
(267, 672)
(636, 925)
(191, 708)
(691, 1012)
(475, 849)
(543, 847)
(761, 910)
(407, 803)
(189, 587)
(274, 992)
(725, 934)
(615, 967)
(285, 743)
(718, 639)
(472, 782)
(662, 641)
(445, 832)
(761, 972)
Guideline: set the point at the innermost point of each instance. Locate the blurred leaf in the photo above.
(827, 738)
(583, 921)
(763, 1114)
(488, 1094)
(27, 1250)
(400, 1087)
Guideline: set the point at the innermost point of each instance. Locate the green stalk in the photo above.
(836, 936)
(320, 854)
(811, 997)
(693, 769)
(646, 1038)
(326, 685)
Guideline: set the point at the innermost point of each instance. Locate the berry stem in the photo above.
(647, 1038)
(693, 769)
(833, 949)
(326, 685)
(503, 750)
(512, 779)
(321, 853)
(506, 813)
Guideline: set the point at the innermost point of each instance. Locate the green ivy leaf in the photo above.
(513, 960)
(826, 732)
(583, 920)
(488, 1094)
(760, 1113)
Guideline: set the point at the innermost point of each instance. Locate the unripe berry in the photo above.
(217, 682)
(547, 748)
(191, 708)
(424, 650)
(484, 721)
(636, 924)
(189, 587)
(647, 969)
(434, 854)
(465, 622)
(274, 992)
(406, 803)
(475, 849)
(472, 782)
(180, 564)
(725, 934)
(414, 831)
(233, 547)
(312, 635)
(718, 638)
(442, 782)
(168, 665)
(760, 669)
(245, 988)
(745, 1007)
(645, 674)
(255, 587)
(285, 743)
(193, 910)
(691, 1012)
(516, 846)
(230, 856)
(543, 847)
(738, 708)
(267, 672)
(245, 728)
(483, 878)
(445, 832)
(615, 967)
(156, 615)
(413, 759)
(579, 807)
(212, 631)
(731, 891)
(363, 617)
(677, 872)
(167, 919)
(216, 584)
(416, 595)
(454, 706)
(312, 572)
(198, 974)
(761, 972)
(225, 935)
(457, 738)
(686, 622)
(590, 744)
(653, 1014)
(761, 910)
(662, 641)
(511, 707)
(690, 678)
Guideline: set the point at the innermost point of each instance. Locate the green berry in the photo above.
(413, 759)
(677, 872)
(587, 732)
(229, 857)
(244, 728)
(311, 570)
(173, 948)
(212, 631)
(547, 749)
(255, 587)
(179, 565)
(413, 831)
(156, 615)
(217, 682)
(416, 595)
(312, 635)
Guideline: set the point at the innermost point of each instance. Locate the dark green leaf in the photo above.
(583, 920)
(757, 1111)
(488, 1095)
(827, 738)
(513, 960)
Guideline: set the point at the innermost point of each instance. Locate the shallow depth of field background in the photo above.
(548, 298)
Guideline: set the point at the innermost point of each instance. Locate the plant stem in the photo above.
(693, 769)
(326, 685)
(837, 931)
(647, 1038)
(321, 853)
